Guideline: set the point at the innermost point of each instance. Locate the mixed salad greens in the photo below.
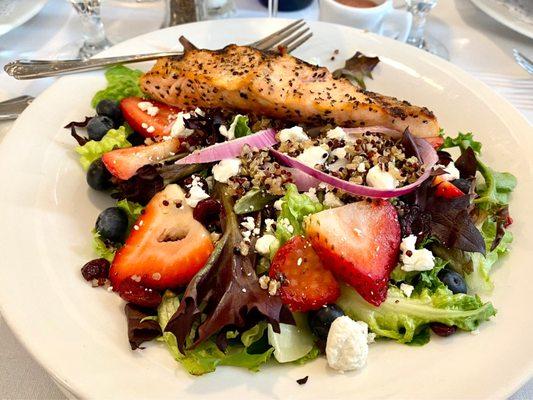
(240, 256)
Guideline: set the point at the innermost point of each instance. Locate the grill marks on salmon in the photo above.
(281, 86)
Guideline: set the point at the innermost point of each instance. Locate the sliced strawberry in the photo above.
(124, 163)
(166, 246)
(435, 141)
(153, 126)
(359, 243)
(448, 190)
(305, 283)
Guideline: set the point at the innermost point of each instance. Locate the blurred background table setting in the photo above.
(490, 39)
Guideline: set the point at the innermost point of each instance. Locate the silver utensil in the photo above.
(292, 36)
(523, 61)
(517, 90)
(11, 109)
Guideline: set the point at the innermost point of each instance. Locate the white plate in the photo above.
(79, 333)
(507, 15)
(15, 12)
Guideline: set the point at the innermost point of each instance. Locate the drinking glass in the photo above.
(417, 37)
(272, 8)
(94, 36)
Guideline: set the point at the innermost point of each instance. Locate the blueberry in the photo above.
(462, 184)
(98, 127)
(110, 109)
(112, 224)
(320, 320)
(453, 280)
(98, 177)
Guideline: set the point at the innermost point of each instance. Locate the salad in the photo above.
(243, 234)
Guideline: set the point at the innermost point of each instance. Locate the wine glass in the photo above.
(417, 36)
(94, 38)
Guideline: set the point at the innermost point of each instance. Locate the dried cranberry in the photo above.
(207, 211)
(135, 293)
(95, 269)
(442, 330)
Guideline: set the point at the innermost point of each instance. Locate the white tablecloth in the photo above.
(471, 37)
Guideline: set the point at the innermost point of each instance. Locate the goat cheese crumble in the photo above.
(263, 244)
(380, 179)
(229, 133)
(313, 155)
(337, 133)
(295, 134)
(407, 289)
(178, 127)
(451, 172)
(415, 259)
(347, 344)
(225, 169)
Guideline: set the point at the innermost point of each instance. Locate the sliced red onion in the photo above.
(231, 148)
(429, 158)
(303, 181)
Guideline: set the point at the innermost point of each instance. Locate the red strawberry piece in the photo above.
(435, 141)
(139, 118)
(124, 163)
(305, 283)
(448, 190)
(359, 243)
(166, 246)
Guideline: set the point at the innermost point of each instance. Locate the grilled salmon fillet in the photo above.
(276, 85)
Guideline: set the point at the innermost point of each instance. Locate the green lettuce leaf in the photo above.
(241, 126)
(113, 139)
(101, 249)
(254, 200)
(295, 207)
(132, 209)
(478, 277)
(404, 319)
(463, 141)
(312, 355)
(293, 342)
(122, 82)
(205, 357)
(496, 189)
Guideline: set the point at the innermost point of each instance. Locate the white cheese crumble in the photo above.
(347, 344)
(294, 134)
(313, 155)
(273, 287)
(248, 223)
(311, 193)
(451, 172)
(340, 162)
(148, 108)
(226, 168)
(332, 201)
(263, 244)
(229, 133)
(413, 259)
(380, 179)
(407, 289)
(277, 204)
(337, 133)
(284, 222)
(263, 282)
(178, 127)
(196, 192)
(269, 225)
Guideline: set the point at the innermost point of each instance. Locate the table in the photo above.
(470, 36)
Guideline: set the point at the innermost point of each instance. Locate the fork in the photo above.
(517, 90)
(292, 36)
(523, 61)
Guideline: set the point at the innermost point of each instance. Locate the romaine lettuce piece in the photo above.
(405, 318)
(293, 342)
(101, 249)
(113, 139)
(207, 356)
(122, 82)
(294, 208)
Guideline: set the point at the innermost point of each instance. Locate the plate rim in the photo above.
(494, 14)
(471, 83)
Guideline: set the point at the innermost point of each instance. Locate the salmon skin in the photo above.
(244, 79)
